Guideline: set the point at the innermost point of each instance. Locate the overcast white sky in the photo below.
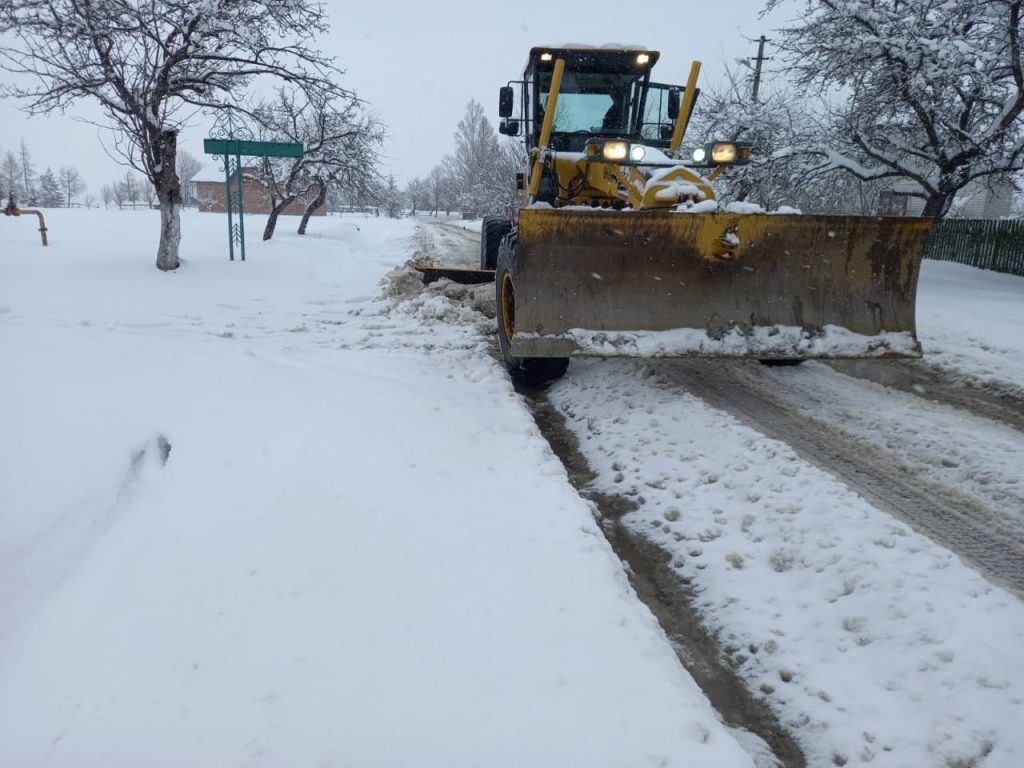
(420, 63)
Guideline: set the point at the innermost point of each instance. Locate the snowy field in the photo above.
(255, 514)
(274, 513)
(971, 325)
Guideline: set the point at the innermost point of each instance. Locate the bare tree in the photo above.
(130, 191)
(351, 164)
(119, 193)
(149, 65)
(188, 166)
(107, 195)
(936, 89)
(417, 194)
(441, 190)
(339, 139)
(71, 183)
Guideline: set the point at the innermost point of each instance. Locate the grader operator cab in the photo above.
(620, 247)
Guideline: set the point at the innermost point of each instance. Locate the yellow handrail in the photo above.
(545, 130)
(683, 118)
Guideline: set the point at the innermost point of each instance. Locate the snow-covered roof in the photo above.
(595, 46)
(210, 172)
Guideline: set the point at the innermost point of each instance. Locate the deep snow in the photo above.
(360, 550)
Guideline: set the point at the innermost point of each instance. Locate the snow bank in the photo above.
(773, 341)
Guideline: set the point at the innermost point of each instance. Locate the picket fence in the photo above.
(984, 243)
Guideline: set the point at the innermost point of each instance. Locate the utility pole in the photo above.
(757, 67)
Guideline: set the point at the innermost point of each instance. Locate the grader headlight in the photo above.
(723, 154)
(615, 150)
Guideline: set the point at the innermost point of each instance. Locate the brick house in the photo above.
(207, 189)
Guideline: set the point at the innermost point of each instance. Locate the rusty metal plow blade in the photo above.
(667, 284)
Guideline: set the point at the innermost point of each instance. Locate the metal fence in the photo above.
(984, 243)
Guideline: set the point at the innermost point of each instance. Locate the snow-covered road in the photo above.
(780, 497)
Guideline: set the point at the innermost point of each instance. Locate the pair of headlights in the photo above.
(718, 153)
(620, 150)
(722, 153)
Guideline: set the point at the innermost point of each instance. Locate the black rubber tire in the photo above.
(491, 233)
(782, 362)
(532, 371)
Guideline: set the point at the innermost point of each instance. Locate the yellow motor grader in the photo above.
(621, 249)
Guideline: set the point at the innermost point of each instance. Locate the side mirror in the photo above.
(505, 101)
(673, 104)
(508, 127)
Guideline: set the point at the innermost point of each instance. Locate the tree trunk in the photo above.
(313, 207)
(938, 204)
(268, 231)
(168, 192)
(170, 235)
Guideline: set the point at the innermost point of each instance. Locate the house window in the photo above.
(892, 203)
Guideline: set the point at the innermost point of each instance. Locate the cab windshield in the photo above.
(593, 103)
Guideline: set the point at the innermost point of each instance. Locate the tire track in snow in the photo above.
(949, 517)
(930, 384)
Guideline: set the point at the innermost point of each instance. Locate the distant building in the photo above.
(207, 189)
(977, 200)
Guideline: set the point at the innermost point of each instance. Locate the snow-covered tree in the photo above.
(936, 88)
(472, 164)
(71, 183)
(150, 65)
(50, 194)
(10, 172)
(28, 176)
(776, 126)
(392, 199)
(338, 137)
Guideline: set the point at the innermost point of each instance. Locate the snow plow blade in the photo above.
(431, 273)
(668, 284)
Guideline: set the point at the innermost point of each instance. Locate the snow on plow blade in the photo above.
(667, 284)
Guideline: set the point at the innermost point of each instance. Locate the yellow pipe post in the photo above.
(13, 210)
(545, 129)
(683, 118)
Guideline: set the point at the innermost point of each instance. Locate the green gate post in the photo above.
(227, 204)
(241, 204)
(230, 149)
